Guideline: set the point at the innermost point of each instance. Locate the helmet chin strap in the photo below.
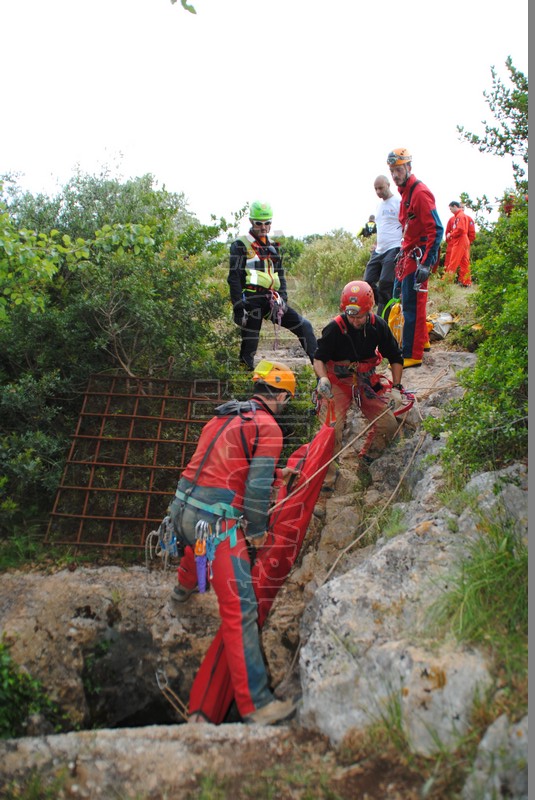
(407, 174)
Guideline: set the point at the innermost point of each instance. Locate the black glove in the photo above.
(421, 274)
(240, 314)
(431, 260)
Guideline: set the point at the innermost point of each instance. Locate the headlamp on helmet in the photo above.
(357, 295)
(398, 157)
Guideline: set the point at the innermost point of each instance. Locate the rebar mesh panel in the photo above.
(133, 439)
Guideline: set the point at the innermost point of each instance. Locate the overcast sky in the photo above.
(295, 102)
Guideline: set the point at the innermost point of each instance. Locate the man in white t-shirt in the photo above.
(380, 268)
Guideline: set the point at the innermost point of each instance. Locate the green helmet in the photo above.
(260, 211)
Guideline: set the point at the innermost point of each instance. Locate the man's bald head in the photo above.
(382, 187)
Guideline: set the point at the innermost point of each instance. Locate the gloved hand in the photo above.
(240, 314)
(429, 263)
(324, 387)
(421, 274)
(395, 398)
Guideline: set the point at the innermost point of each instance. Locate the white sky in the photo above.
(294, 102)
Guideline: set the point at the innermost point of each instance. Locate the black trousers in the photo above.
(258, 309)
(380, 275)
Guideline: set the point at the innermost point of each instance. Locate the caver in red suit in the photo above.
(227, 486)
(422, 235)
(459, 245)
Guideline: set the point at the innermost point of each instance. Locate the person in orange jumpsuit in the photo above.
(447, 255)
(458, 246)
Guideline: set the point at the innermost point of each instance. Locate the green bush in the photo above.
(487, 428)
(137, 295)
(329, 263)
(20, 697)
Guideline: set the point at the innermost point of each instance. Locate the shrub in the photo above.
(20, 697)
(327, 264)
(487, 428)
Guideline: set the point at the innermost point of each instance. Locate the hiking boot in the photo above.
(180, 594)
(276, 711)
(412, 362)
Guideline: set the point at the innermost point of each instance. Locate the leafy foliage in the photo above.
(137, 294)
(509, 135)
(20, 697)
(487, 427)
(28, 263)
(330, 262)
(291, 248)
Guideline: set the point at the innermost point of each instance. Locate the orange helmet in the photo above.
(357, 295)
(398, 156)
(275, 374)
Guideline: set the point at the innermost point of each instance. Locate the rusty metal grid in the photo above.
(133, 439)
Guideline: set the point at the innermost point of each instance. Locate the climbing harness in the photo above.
(206, 541)
(365, 378)
(164, 542)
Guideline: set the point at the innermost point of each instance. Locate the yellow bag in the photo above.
(396, 321)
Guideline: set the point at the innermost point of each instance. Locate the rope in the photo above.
(358, 539)
(382, 510)
(336, 455)
(419, 443)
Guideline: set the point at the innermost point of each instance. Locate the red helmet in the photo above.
(357, 295)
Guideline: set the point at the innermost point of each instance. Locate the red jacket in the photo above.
(242, 461)
(420, 222)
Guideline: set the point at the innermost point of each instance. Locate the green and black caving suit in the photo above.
(258, 291)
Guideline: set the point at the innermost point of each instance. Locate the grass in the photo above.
(444, 296)
(33, 787)
(487, 604)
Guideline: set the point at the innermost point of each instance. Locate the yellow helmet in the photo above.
(398, 156)
(275, 374)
